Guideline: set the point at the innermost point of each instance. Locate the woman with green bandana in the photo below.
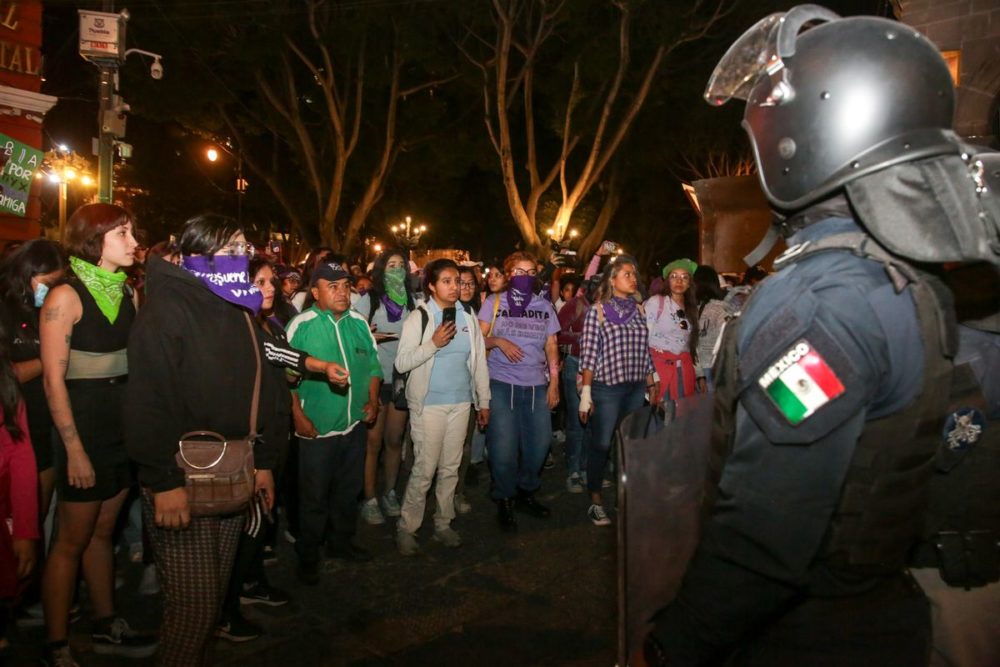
(84, 333)
(386, 307)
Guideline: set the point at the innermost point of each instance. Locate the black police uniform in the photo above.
(793, 566)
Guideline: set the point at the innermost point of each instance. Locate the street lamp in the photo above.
(212, 154)
(407, 233)
(62, 166)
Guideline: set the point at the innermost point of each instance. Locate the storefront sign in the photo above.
(20, 162)
(102, 35)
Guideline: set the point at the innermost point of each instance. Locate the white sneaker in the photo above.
(371, 513)
(448, 537)
(574, 483)
(390, 504)
(407, 543)
(462, 506)
(150, 583)
(598, 516)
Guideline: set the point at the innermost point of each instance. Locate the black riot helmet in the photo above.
(836, 101)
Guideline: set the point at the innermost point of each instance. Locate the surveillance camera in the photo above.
(156, 70)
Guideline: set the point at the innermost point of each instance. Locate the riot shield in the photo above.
(662, 459)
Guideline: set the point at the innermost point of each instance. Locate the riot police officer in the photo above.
(831, 385)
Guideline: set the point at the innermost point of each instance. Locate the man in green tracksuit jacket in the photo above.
(328, 420)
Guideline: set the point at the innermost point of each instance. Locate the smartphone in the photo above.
(448, 315)
(610, 246)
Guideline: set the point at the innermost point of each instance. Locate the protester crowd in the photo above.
(112, 354)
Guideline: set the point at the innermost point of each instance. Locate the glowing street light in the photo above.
(212, 154)
(407, 233)
(62, 165)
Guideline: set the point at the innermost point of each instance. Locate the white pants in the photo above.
(438, 434)
(966, 623)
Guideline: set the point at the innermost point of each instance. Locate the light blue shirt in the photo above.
(450, 379)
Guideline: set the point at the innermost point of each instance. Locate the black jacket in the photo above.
(191, 368)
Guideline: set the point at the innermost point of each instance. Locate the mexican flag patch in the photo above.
(800, 382)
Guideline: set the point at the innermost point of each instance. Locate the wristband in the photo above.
(585, 400)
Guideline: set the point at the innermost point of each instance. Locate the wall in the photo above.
(973, 28)
(22, 107)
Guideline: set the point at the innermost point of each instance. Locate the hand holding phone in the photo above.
(443, 334)
(448, 315)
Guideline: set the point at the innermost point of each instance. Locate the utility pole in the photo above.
(102, 42)
(106, 140)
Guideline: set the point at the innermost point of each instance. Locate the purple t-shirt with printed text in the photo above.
(529, 332)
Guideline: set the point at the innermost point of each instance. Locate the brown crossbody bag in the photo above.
(219, 473)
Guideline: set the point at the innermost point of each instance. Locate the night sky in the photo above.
(458, 193)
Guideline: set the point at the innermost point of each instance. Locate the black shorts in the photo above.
(41, 442)
(97, 411)
(385, 393)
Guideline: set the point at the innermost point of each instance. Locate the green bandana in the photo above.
(395, 285)
(104, 286)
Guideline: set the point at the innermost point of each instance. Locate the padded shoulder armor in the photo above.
(798, 381)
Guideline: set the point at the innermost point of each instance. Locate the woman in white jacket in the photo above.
(442, 349)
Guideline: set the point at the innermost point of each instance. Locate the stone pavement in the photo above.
(542, 596)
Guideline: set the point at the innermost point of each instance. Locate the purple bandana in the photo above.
(520, 289)
(619, 310)
(393, 310)
(228, 277)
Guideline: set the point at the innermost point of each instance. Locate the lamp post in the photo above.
(61, 166)
(241, 184)
(408, 234)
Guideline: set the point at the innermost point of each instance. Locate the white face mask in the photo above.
(40, 293)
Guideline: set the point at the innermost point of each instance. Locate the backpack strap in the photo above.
(496, 309)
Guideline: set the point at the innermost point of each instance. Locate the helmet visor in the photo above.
(749, 57)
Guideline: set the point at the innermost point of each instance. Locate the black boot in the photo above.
(526, 503)
(505, 514)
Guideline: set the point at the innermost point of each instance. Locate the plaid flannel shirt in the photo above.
(616, 353)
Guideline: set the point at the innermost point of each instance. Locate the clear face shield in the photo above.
(762, 50)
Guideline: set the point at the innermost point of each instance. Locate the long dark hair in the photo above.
(690, 313)
(432, 272)
(34, 258)
(476, 302)
(378, 277)
(281, 310)
(10, 390)
(706, 285)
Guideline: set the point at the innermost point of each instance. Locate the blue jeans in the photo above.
(611, 403)
(577, 433)
(517, 437)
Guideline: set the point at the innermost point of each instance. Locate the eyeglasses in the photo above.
(679, 276)
(683, 320)
(522, 272)
(239, 248)
(467, 283)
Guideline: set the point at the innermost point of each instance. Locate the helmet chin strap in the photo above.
(757, 255)
(785, 225)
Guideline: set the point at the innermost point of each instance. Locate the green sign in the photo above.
(20, 162)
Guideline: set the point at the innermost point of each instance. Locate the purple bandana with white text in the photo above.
(228, 277)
